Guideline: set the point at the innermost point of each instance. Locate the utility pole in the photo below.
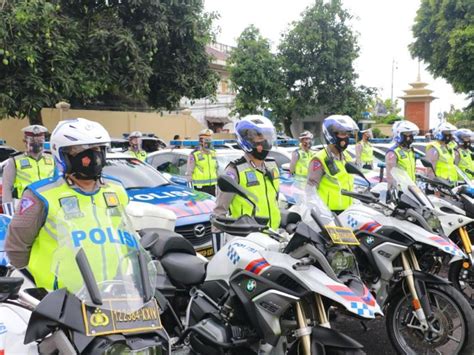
(391, 88)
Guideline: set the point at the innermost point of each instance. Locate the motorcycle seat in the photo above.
(160, 242)
(184, 269)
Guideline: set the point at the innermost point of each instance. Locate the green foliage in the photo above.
(461, 118)
(254, 73)
(317, 56)
(444, 38)
(137, 52)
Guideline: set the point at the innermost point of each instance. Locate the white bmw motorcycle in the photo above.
(260, 293)
(425, 314)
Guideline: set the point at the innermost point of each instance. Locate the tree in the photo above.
(37, 48)
(254, 73)
(317, 56)
(137, 52)
(444, 37)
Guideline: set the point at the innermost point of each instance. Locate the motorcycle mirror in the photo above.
(351, 168)
(227, 184)
(426, 163)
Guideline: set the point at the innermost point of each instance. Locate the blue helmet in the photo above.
(461, 134)
(251, 127)
(335, 124)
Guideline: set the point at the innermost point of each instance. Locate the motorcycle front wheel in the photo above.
(451, 327)
(463, 279)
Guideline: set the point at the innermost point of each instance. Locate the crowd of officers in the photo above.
(78, 156)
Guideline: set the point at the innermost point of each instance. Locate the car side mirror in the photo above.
(163, 167)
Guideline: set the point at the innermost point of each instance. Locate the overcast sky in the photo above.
(384, 28)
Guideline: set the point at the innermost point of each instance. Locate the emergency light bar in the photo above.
(287, 142)
(3, 141)
(193, 143)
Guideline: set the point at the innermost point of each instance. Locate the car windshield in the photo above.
(133, 173)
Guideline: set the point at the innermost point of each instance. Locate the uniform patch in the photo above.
(111, 199)
(25, 204)
(231, 174)
(70, 206)
(48, 161)
(402, 154)
(316, 165)
(252, 179)
(200, 156)
(25, 163)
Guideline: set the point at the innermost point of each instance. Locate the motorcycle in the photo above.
(259, 293)
(424, 312)
(104, 300)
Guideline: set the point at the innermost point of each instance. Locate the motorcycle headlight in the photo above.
(342, 260)
(117, 349)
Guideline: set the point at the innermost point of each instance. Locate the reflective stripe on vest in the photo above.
(262, 191)
(466, 162)
(29, 170)
(367, 154)
(330, 186)
(205, 168)
(66, 205)
(140, 155)
(445, 165)
(304, 157)
(406, 161)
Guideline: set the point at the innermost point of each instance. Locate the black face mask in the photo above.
(447, 138)
(466, 145)
(342, 143)
(36, 147)
(407, 141)
(259, 155)
(87, 165)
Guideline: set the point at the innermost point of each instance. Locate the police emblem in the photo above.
(25, 163)
(251, 178)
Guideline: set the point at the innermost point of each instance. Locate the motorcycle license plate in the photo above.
(207, 252)
(114, 318)
(342, 235)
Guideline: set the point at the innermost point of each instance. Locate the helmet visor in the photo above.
(262, 137)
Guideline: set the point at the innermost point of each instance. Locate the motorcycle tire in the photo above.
(454, 275)
(439, 296)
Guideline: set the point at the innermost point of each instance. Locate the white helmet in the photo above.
(461, 134)
(443, 129)
(306, 134)
(206, 133)
(335, 124)
(135, 134)
(406, 127)
(80, 133)
(34, 130)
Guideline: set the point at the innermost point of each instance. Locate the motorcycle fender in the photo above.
(322, 337)
(456, 258)
(429, 278)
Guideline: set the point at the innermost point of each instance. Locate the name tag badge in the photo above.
(402, 154)
(70, 206)
(25, 163)
(251, 178)
(200, 156)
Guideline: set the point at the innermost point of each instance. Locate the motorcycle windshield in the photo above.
(464, 177)
(409, 188)
(112, 250)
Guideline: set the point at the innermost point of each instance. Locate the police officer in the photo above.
(327, 171)
(440, 152)
(364, 150)
(401, 154)
(301, 157)
(256, 173)
(201, 170)
(463, 158)
(76, 196)
(24, 169)
(134, 150)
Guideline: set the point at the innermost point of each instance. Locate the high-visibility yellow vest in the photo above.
(331, 184)
(465, 162)
(29, 170)
(445, 165)
(205, 168)
(263, 191)
(304, 157)
(140, 155)
(367, 154)
(406, 161)
(91, 232)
